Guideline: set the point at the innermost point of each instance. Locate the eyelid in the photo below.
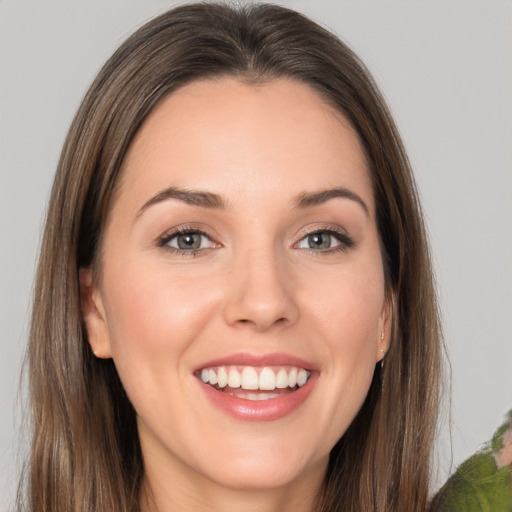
(163, 240)
(346, 241)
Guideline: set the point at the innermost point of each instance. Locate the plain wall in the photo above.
(445, 68)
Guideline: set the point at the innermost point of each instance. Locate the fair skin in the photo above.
(266, 266)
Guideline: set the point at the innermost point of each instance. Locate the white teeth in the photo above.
(267, 379)
(302, 377)
(282, 379)
(222, 377)
(234, 379)
(260, 396)
(267, 396)
(292, 377)
(212, 377)
(249, 378)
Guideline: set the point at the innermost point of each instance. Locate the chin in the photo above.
(265, 464)
(263, 474)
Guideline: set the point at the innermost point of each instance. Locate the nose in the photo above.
(260, 292)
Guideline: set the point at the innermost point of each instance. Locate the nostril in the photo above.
(261, 324)
(261, 308)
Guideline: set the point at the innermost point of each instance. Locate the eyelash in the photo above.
(345, 241)
(164, 240)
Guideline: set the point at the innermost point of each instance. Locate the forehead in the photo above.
(278, 135)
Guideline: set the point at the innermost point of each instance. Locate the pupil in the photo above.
(319, 241)
(189, 241)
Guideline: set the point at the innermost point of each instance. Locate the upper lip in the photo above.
(258, 360)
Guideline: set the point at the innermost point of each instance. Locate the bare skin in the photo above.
(275, 264)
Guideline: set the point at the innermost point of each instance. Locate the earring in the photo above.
(383, 353)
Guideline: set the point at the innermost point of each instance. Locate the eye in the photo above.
(325, 240)
(186, 241)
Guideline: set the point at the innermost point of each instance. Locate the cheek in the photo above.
(346, 324)
(153, 316)
(348, 306)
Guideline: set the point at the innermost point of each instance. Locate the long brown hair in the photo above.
(85, 454)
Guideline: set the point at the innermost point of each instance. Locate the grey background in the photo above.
(446, 70)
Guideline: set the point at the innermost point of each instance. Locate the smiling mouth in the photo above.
(254, 383)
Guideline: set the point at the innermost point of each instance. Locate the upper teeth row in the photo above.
(248, 378)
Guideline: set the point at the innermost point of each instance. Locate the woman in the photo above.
(233, 248)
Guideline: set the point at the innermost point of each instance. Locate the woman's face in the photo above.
(242, 250)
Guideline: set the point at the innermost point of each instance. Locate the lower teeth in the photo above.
(255, 395)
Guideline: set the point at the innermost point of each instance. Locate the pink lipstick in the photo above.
(257, 387)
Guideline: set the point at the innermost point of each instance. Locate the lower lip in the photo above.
(259, 410)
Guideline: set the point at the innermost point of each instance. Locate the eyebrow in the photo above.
(192, 197)
(310, 199)
(214, 201)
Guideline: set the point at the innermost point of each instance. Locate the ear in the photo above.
(385, 327)
(94, 315)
